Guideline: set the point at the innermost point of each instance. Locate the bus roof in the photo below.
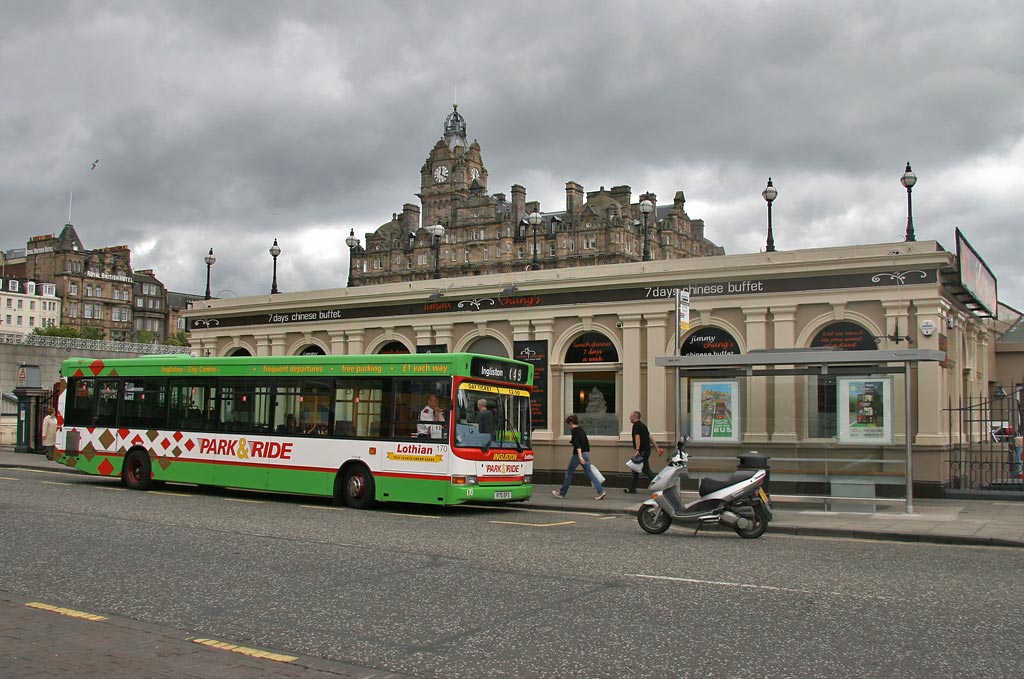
(488, 367)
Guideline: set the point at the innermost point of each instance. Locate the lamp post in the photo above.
(210, 260)
(535, 220)
(352, 242)
(275, 250)
(908, 180)
(646, 206)
(436, 231)
(770, 193)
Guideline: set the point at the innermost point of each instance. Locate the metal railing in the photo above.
(90, 345)
(982, 454)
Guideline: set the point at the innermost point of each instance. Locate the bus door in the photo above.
(423, 412)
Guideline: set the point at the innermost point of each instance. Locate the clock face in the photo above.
(440, 174)
(474, 173)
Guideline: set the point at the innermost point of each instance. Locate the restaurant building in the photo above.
(595, 334)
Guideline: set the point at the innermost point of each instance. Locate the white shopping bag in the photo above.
(597, 472)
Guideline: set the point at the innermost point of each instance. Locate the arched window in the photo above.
(312, 350)
(710, 341)
(394, 348)
(844, 335)
(592, 384)
(489, 346)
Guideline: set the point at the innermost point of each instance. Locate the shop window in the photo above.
(591, 388)
(821, 390)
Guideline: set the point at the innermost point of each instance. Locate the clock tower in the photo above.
(452, 170)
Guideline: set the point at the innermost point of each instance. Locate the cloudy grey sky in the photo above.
(228, 124)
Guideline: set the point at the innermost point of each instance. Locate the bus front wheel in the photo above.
(357, 487)
(137, 472)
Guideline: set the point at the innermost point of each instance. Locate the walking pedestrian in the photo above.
(580, 456)
(642, 443)
(49, 433)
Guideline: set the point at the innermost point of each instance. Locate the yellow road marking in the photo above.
(7, 478)
(108, 486)
(534, 525)
(65, 611)
(414, 516)
(56, 483)
(245, 650)
(164, 492)
(238, 499)
(333, 509)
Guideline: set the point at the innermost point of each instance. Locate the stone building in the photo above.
(28, 304)
(492, 233)
(96, 285)
(150, 305)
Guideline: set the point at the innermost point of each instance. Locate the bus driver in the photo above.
(431, 413)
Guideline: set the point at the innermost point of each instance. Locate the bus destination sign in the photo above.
(491, 369)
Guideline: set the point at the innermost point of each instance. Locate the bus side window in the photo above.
(78, 409)
(106, 408)
(359, 406)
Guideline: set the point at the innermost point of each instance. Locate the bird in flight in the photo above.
(95, 163)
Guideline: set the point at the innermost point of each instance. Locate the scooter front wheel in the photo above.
(757, 526)
(654, 520)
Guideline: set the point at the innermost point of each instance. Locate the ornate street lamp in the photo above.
(908, 180)
(210, 260)
(436, 231)
(646, 207)
(770, 193)
(275, 250)
(352, 242)
(535, 220)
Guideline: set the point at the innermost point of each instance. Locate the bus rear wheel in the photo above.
(137, 472)
(357, 487)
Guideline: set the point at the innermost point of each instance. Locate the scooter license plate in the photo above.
(763, 495)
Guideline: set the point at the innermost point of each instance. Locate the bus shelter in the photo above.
(837, 425)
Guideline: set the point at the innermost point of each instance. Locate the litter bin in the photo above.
(755, 460)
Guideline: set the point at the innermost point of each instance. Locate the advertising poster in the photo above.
(715, 410)
(865, 410)
(536, 352)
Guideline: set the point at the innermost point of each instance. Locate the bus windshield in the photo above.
(489, 417)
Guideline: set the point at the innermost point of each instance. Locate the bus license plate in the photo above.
(503, 495)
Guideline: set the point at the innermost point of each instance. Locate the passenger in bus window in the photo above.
(431, 413)
(484, 417)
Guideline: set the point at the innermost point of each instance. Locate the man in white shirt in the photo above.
(431, 413)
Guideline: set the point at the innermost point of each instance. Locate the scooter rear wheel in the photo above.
(757, 527)
(654, 520)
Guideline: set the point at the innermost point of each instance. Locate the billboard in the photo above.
(975, 276)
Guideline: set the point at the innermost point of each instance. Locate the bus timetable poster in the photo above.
(714, 412)
(865, 410)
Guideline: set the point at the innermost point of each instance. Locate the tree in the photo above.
(178, 339)
(56, 331)
(146, 337)
(92, 333)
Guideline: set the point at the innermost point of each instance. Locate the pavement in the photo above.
(996, 522)
(99, 645)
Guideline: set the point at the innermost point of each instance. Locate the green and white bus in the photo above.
(349, 427)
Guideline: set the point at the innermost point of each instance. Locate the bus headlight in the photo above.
(527, 478)
(464, 480)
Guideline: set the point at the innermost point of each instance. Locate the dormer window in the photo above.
(12, 285)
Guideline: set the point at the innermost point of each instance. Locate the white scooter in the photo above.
(739, 501)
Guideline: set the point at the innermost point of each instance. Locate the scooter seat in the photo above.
(708, 485)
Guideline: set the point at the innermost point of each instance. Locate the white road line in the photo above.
(768, 588)
(534, 525)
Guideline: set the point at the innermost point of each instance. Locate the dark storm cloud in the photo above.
(229, 124)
